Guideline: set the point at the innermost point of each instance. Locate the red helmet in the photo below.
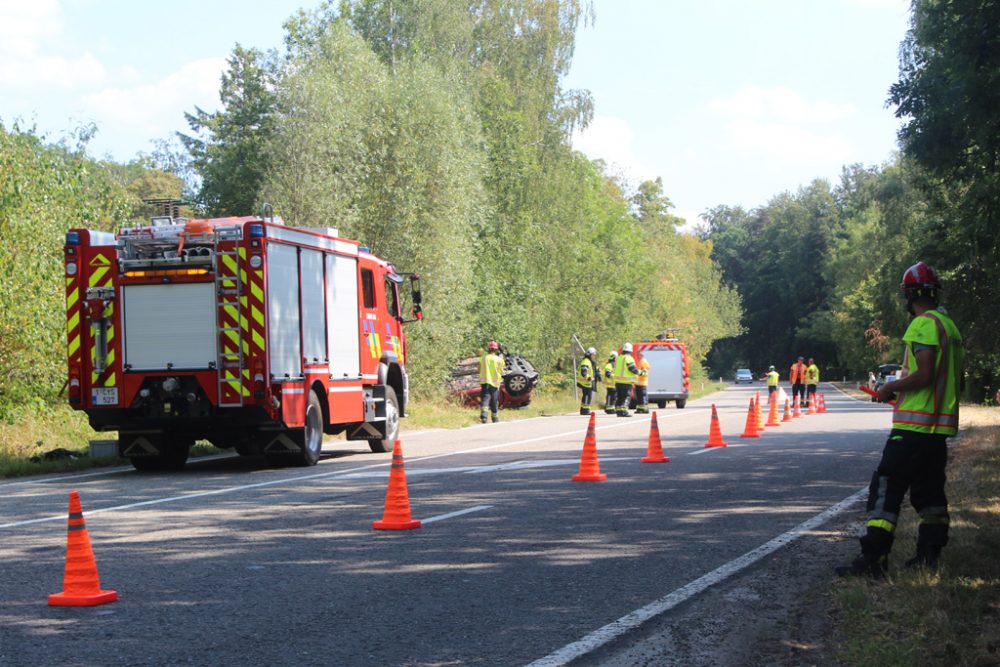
(920, 277)
(493, 345)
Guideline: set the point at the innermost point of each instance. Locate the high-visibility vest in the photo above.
(772, 379)
(623, 369)
(643, 379)
(812, 374)
(585, 375)
(491, 369)
(934, 408)
(797, 374)
(609, 375)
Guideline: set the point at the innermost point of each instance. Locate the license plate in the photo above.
(105, 396)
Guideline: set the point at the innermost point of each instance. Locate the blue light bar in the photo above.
(72, 238)
(256, 231)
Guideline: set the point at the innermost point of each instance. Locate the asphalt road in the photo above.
(231, 563)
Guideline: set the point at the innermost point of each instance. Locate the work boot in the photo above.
(873, 567)
(585, 411)
(927, 557)
(609, 411)
(482, 417)
(496, 418)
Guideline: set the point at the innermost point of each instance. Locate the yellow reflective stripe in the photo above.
(111, 381)
(232, 335)
(887, 526)
(72, 297)
(258, 340)
(97, 275)
(73, 322)
(257, 291)
(74, 345)
(230, 264)
(257, 314)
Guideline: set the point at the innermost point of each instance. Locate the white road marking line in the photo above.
(449, 515)
(630, 621)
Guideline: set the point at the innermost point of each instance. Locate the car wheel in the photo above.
(516, 384)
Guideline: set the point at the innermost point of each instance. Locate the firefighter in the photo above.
(812, 381)
(925, 414)
(772, 382)
(491, 366)
(609, 383)
(586, 379)
(626, 373)
(641, 385)
(797, 376)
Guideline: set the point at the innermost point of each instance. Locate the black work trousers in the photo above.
(489, 397)
(799, 390)
(913, 462)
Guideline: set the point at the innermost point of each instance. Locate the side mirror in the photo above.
(416, 297)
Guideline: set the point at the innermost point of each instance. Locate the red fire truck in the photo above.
(242, 331)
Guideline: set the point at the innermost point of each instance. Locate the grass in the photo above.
(39, 428)
(947, 618)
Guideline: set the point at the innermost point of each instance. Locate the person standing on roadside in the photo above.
(491, 366)
(626, 373)
(609, 383)
(797, 376)
(586, 379)
(925, 415)
(642, 384)
(772, 382)
(812, 381)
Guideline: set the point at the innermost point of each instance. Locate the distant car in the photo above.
(744, 375)
(886, 373)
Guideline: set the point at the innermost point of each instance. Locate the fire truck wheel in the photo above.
(681, 402)
(312, 440)
(391, 423)
(516, 384)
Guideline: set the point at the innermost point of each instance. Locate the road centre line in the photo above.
(322, 475)
(450, 515)
(634, 619)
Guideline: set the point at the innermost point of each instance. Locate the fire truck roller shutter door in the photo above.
(313, 317)
(283, 318)
(343, 344)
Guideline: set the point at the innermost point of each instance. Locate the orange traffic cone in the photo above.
(788, 413)
(654, 452)
(715, 432)
(590, 467)
(772, 414)
(812, 405)
(758, 413)
(750, 430)
(397, 500)
(796, 410)
(822, 403)
(81, 583)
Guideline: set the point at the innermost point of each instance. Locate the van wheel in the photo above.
(661, 404)
(379, 445)
(681, 402)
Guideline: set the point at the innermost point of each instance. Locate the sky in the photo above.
(728, 101)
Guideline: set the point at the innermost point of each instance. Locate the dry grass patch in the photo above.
(951, 617)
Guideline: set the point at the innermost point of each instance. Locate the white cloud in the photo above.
(612, 139)
(156, 109)
(778, 123)
(779, 104)
(30, 34)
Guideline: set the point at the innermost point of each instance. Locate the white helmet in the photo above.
(591, 351)
(627, 348)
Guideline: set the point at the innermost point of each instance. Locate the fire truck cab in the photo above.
(242, 331)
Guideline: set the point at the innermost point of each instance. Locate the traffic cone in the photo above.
(822, 403)
(590, 467)
(81, 583)
(397, 500)
(796, 410)
(772, 414)
(788, 413)
(750, 430)
(758, 412)
(715, 432)
(654, 452)
(812, 405)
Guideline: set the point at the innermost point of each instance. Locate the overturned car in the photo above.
(519, 381)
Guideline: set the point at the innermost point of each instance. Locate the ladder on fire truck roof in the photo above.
(228, 293)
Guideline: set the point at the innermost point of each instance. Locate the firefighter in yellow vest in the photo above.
(926, 413)
(626, 373)
(772, 383)
(642, 384)
(587, 379)
(491, 366)
(812, 381)
(609, 383)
